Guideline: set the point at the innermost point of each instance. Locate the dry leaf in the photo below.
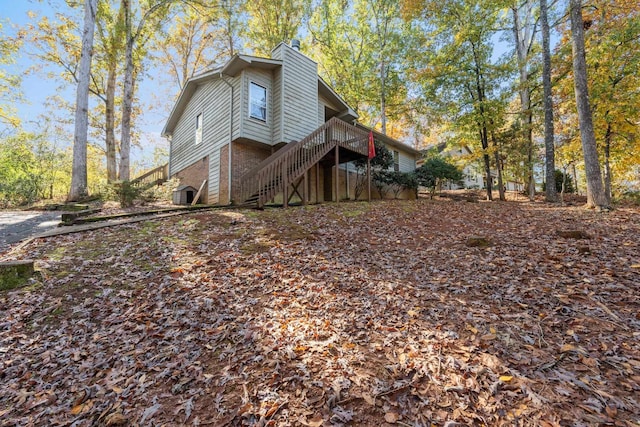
(391, 417)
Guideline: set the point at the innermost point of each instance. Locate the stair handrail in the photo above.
(269, 177)
(159, 174)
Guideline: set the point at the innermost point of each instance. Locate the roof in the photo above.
(232, 68)
(325, 90)
(390, 141)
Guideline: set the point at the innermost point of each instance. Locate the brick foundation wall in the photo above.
(243, 158)
(194, 174)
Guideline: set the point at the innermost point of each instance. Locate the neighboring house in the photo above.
(473, 172)
(462, 158)
(262, 129)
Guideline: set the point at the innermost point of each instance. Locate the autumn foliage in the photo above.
(346, 314)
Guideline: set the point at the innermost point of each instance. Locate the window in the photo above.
(199, 128)
(257, 102)
(396, 161)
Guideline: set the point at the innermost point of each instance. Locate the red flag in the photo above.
(372, 147)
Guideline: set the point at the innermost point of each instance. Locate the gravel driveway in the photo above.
(16, 226)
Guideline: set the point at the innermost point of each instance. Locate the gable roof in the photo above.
(232, 68)
(390, 141)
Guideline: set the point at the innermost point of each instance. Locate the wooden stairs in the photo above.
(289, 165)
(156, 176)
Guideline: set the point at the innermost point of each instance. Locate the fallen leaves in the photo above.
(291, 317)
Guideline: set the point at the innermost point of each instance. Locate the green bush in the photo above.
(434, 170)
(568, 182)
(162, 192)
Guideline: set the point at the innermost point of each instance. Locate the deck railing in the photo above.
(153, 177)
(270, 177)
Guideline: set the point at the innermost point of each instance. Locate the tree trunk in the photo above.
(487, 170)
(110, 117)
(525, 97)
(383, 100)
(79, 184)
(551, 194)
(127, 98)
(501, 188)
(607, 164)
(595, 190)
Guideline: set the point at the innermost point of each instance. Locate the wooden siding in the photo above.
(256, 129)
(407, 161)
(213, 181)
(300, 95)
(322, 103)
(213, 100)
(276, 104)
(320, 112)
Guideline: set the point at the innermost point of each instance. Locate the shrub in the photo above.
(434, 170)
(568, 182)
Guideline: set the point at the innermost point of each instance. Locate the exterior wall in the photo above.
(407, 160)
(322, 103)
(245, 157)
(193, 175)
(276, 103)
(213, 101)
(299, 94)
(251, 128)
(321, 117)
(223, 195)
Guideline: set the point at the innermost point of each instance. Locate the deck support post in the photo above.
(285, 185)
(318, 182)
(305, 188)
(337, 183)
(368, 180)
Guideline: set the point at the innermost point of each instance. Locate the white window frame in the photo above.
(396, 160)
(256, 102)
(199, 125)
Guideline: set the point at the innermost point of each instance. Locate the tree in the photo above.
(33, 166)
(596, 196)
(613, 47)
(362, 54)
(549, 144)
(198, 37)
(524, 29)
(458, 73)
(8, 83)
(272, 22)
(435, 170)
(56, 44)
(110, 34)
(79, 185)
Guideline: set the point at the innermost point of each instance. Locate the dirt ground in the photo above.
(446, 312)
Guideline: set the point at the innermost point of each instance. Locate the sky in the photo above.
(36, 88)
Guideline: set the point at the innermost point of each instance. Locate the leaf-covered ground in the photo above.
(356, 314)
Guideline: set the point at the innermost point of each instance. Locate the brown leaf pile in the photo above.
(352, 314)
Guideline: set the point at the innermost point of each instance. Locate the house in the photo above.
(263, 129)
(462, 157)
